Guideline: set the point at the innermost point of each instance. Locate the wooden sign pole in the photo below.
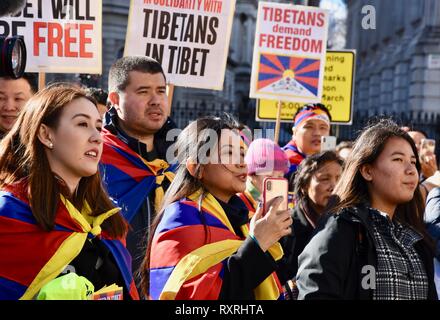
(41, 80)
(278, 122)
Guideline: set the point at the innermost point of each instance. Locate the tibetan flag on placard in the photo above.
(187, 265)
(32, 257)
(288, 75)
(129, 178)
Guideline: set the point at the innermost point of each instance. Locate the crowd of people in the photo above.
(91, 196)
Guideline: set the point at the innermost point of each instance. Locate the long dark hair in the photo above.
(22, 156)
(188, 146)
(352, 189)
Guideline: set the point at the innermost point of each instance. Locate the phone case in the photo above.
(274, 187)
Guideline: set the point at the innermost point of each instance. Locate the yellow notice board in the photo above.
(337, 94)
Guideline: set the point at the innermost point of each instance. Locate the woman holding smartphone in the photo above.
(375, 246)
(201, 246)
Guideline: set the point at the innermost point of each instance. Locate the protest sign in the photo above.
(190, 38)
(61, 36)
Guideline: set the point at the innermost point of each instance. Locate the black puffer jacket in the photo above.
(330, 267)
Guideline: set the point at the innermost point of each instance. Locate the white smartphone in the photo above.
(328, 143)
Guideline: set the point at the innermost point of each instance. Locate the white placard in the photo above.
(189, 38)
(59, 38)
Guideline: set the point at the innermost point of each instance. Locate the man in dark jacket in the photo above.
(311, 122)
(134, 166)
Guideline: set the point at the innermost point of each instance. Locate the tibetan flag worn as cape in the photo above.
(31, 257)
(129, 178)
(182, 266)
